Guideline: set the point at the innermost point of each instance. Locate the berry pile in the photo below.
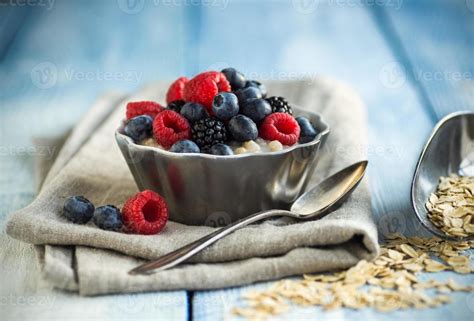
(144, 213)
(213, 110)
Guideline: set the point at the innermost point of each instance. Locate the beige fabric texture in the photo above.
(91, 261)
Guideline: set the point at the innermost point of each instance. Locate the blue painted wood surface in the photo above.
(411, 61)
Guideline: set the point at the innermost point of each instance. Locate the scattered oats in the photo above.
(434, 266)
(388, 283)
(395, 255)
(462, 269)
(413, 267)
(407, 249)
(443, 289)
(450, 208)
(458, 261)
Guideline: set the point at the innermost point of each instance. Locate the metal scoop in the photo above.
(313, 204)
(449, 150)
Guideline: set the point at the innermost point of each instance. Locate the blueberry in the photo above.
(225, 105)
(78, 209)
(257, 84)
(108, 217)
(307, 130)
(235, 78)
(256, 109)
(248, 93)
(243, 128)
(185, 146)
(139, 128)
(221, 149)
(194, 112)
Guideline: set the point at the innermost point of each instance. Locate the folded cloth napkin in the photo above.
(92, 261)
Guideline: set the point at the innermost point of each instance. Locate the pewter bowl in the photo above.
(449, 150)
(203, 189)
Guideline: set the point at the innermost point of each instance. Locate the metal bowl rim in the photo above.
(433, 229)
(315, 141)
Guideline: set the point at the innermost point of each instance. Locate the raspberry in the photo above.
(145, 213)
(202, 88)
(170, 127)
(281, 127)
(175, 92)
(137, 108)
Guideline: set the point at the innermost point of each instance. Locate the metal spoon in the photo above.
(313, 204)
(449, 150)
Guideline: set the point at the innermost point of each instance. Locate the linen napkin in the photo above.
(91, 261)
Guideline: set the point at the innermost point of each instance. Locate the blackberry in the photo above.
(279, 105)
(176, 105)
(208, 132)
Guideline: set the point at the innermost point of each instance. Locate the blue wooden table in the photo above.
(411, 61)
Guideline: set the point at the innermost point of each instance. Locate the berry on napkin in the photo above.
(145, 213)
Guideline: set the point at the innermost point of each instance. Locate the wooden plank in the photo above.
(11, 19)
(437, 37)
(52, 71)
(344, 42)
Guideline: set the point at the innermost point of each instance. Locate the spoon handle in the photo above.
(174, 258)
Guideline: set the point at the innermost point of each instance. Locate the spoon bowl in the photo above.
(329, 193)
